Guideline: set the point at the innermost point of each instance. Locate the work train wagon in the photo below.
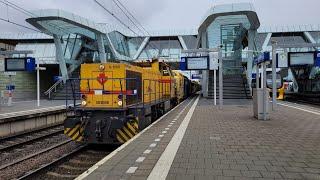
(119, 100)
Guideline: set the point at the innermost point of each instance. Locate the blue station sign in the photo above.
(263, 57)
(196, 76)
(317, 61)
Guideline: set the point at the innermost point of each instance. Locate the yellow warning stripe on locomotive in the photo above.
(127, 132)
(74, 133)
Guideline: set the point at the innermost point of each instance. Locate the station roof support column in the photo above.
(183, 44)
(266, 42)
(102, 50)
(251, 37)
(309, 38)
(60, 57)
(142, 46)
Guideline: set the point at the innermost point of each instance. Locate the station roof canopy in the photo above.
(55, 21)
(228, 10)
(59, 22)
(24, 36)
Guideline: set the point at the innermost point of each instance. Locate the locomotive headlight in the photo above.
(101, 67)
(83, 103)
(120, 103)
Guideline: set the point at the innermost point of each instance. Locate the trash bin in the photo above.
(260, 104)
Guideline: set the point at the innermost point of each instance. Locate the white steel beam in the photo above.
(142, 46)
(266, 41)
(309, 37)
(115, 52)
(183, 43)
(102, 50)
(60, 57)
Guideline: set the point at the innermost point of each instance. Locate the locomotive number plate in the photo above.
(102, 102)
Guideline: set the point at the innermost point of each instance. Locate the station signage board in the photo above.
(15, 64)
(199, 59)
(213, 61)
(317, 61)
(282, 60)
(263, 57)
(301, 58)
(196, 76)
(194, 63)
(19, 64)
(10, 73)
(197, 63)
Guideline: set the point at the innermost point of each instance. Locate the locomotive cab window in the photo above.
(166, 71)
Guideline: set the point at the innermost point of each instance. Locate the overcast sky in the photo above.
(166, 14)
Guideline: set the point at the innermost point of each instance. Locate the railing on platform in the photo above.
(53, 88)
(155, 90)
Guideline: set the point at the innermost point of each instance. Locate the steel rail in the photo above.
(34, 154)
(6, 138)
(6, 148)
(53, 163)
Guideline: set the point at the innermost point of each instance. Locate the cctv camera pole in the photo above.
(220, 79)
(38, 68)
(274, 84)
(215, 86)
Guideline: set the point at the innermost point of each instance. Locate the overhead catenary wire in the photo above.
(125, 13)
(137, 21)
(12, 22)
(17, 24)
(134, 39)
(118, 19)
(18, 8)
(30, 14)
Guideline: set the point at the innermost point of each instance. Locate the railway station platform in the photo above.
(26, 116)
(29, 105)
(198, 141)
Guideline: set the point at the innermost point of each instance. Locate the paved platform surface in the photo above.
(29, 107)
(219, 144)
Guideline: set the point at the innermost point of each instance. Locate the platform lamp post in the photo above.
(220, 78)
(274, 83)
(38, 69)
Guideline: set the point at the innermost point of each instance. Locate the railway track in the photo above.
(303, 105)
(33, 155)
(9, 143)
(18, 167)
(304, 102)
(23, 152)
(70, 165)
(308, 100)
